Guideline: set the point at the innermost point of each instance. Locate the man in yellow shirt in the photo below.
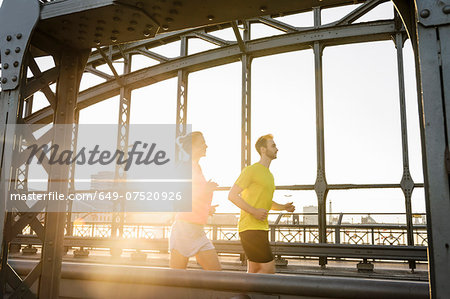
(252, 193)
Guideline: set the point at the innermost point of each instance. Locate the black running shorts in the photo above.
(256, 245)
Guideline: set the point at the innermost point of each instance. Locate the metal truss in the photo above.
(21, 44)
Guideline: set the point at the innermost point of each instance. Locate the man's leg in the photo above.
(209, 260)
(177, 260)
(267, 268)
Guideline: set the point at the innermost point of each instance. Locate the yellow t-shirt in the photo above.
(258, 186)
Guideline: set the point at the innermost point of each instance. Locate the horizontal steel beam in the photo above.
(372, 31)
(418, 253)
(200, 284)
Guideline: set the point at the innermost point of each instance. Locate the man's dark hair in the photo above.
(262, 142)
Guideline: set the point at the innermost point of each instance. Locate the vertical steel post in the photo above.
(69, 223)
(9, 107)
(17, 21)
(407, 183)
(71, 68)
(433, 59)
(182, 94)
(123, 129)
(246, 129)
(320, 186)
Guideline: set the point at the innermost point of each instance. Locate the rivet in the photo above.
(156, 15)
(5, 66)
(65, 22)
(62, 113)
(82, 25)
(70, 102)
(99, 28)
(16, 63)
(97, 42)
(98, 34)
(173, 11)
(156, 7)
(130, 29)
(149, 26)
(210, 17)
(50, 243)
(263, 8)
(136, 15)
(117, 19)
(446, 9)
(19, 35)
(49, 259)
(425, 13)
(169, 20)
(4, 80)
(140, 4)
(113, 39)
(17, 50)
(115, 31)
(71, 77)
(70, 89)
(14, 78)
(101, 22)
(165, 27)
(9, 37)
(118, 10)
(7, 51)
(147, 33)
(177, 3)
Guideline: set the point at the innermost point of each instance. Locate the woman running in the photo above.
(187, 237)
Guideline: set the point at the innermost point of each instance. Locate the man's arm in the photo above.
(235, 197)
(279, 207)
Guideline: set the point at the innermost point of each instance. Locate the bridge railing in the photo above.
(288, 237)
(286, 228)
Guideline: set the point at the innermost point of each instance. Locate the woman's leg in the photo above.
(177, 260)
(209, 260)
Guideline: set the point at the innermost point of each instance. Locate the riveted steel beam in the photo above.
(240, 40)
(98, 73)
(182, 93)
(267, 20)
(246, 95)
(151, 54)
(72, 65)
(359, 12)
(434, 56)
